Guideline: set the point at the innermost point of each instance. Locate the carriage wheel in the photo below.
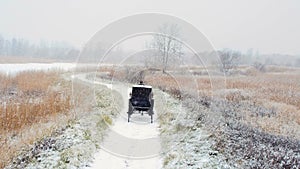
(151, 109)
(130, 111)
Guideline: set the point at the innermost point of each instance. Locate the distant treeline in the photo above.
(56, 50)
(23, 48)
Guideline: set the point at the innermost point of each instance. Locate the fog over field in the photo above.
(149, 84)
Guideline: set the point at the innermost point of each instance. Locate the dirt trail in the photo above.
(132, 145)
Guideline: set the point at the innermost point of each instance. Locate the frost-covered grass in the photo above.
(73, 145)
(30, 97)
(186, 144)
(29, 103)
(243, 145)
(254, 122)
(251, 120)
(276, 94)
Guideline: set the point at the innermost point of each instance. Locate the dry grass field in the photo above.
(278, 93)
(29, 103)
(253, 116)
(29, 98)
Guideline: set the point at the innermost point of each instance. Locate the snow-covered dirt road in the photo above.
(102, 138)
(133, 145)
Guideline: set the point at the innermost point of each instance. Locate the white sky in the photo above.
(270, 26)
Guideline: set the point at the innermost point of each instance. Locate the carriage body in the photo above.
(141, 101)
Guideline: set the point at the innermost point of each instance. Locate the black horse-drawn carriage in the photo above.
(141, 100)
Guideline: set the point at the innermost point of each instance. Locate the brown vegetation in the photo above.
(26, 100)
(254, 117)
(278, 92)
(274, 91)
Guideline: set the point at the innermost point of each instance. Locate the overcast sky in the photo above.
(269, 26)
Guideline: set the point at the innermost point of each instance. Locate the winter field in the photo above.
(32, 101)
(58, 119)
(250, 119)
(149, 84)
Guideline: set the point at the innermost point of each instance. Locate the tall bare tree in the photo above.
(166, 45)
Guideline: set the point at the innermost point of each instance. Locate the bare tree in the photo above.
(166, 45)
(229, 60)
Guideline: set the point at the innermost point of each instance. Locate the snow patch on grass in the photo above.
(185, 143)
(74, 145)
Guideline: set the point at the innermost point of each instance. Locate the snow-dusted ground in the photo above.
(163, 144)
(133, 145)
(74, 144)
(15, 68)
(172, 141)
(186, 144)
(126, 143)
